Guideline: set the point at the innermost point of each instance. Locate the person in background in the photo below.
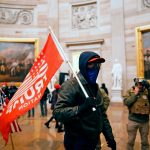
(138, 102)
(31, 113)
(103, 86)
(5, 89)
(53, 102)
(106, 99)
(2, 100)
(83, 118)
(43, 103)
(106, 102)
(12, 90)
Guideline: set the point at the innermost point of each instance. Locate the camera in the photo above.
(144, 82)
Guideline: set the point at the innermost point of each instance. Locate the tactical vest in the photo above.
(142, 105)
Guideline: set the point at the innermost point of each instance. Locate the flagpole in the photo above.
(13, 147)
(66, 59)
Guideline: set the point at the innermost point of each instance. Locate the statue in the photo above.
(117, 75)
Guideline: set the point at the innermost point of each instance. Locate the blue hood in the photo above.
(83, 59)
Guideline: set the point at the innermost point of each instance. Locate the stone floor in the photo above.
(35, 136)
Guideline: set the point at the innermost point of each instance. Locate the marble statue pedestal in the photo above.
(116, 95)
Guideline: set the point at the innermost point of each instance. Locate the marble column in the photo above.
(118, 43)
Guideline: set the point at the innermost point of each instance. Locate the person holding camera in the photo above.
(138, 103)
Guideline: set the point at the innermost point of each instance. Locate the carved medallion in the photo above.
(26, 17)
(15, 16)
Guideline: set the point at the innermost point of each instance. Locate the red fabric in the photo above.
(4, 83)
(14, 126)
(57, 86)
(8, 128)
(33, 87)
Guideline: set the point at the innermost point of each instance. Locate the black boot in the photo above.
(47, 125)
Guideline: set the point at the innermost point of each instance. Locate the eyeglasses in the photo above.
(93, 65)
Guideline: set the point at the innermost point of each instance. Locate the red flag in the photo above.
(34, 85)
(14, 126)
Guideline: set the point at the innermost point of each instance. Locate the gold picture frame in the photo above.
(143, 51)
(16, 58)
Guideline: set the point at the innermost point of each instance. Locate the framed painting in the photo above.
(143, 51)
(16, 58)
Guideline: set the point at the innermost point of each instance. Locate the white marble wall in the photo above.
(109, 20)
(44, 13)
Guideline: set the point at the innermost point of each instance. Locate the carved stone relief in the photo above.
(84, 16)
(16, 16)
(146, 3)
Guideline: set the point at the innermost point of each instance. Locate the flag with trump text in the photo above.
(33, 86)
(14, 126)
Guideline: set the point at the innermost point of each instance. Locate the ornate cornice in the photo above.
(91, 42)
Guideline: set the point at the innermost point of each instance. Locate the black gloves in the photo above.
(112, 144)
(89, 103)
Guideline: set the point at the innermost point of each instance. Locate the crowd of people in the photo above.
(82, 115)
(53, 101)
(7, 92)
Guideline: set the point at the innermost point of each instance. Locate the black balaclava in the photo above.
(89, 75)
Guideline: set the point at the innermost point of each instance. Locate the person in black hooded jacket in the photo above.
(84, 118)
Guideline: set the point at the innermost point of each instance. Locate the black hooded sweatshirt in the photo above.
(90, 123)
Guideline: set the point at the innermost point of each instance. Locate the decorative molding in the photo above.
(82, 2)
(146, 3)
(78, 43)
(18, 3)
(84, 15)
(16, 16)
